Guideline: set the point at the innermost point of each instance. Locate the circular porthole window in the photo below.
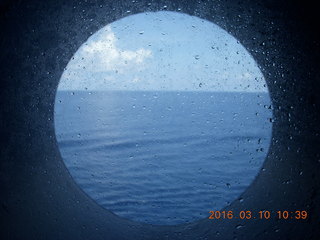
(161, 117)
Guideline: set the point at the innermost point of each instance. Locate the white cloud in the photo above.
(99, 63)
(104, 55)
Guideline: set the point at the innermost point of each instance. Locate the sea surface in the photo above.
(163, 158)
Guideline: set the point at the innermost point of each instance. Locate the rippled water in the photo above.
(163, 157)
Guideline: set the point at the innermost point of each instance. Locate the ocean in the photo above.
(163, 158)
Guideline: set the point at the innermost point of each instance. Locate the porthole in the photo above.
(162, 116)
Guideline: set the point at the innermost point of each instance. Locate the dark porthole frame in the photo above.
(39, 198)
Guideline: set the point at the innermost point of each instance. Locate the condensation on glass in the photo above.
(162, 116)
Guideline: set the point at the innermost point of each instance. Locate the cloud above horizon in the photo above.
(108, 57)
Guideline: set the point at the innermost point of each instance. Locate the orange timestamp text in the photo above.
(264, 214)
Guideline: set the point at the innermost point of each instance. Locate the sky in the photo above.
(162, 51)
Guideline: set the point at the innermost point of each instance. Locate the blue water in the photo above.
(163, 157)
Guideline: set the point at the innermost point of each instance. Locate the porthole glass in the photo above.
(161, 117)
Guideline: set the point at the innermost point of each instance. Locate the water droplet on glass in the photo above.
(239, 226)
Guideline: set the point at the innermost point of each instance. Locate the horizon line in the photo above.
(159, 90)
